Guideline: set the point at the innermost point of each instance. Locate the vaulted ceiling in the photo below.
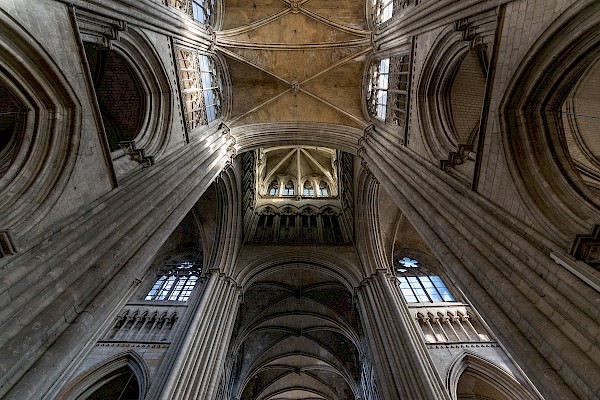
(300, 63)
(295, 61)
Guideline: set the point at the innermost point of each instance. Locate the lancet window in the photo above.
(201, 87)
(175, 283)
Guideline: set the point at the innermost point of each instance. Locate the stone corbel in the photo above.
(7, 245)
(128, 146)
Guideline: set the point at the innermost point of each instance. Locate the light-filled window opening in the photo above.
(202, 10)
(274, 188)
(308, 189)
(323, 189)
(382, 10)
(175, 284)
(419, 287)
(424, 289)
(201, 87)
(210, 87)
(288, 190)
(378, 89)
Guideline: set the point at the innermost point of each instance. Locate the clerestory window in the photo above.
(201, 87)
(308, 189)
(288, 189)
(323, 189)
(419, 287)
(378, 89)
(175, 283)
(382, 10)
(202, 10)
(274, 188)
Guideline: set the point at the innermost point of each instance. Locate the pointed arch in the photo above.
(490, 376)
(100, 374)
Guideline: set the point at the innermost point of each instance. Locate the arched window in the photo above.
(274, 188)
(175, 283)
(201, 87)
(378, 89)
(323, 189)
(418, 286)
(308, 189)
(288, 189)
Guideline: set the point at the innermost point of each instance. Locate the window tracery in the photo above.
(175, 283)
(201, 87)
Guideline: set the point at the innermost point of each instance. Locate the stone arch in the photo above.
(39, 158)
(84, 385)
(134, 97)
(450, 97)
(547, 179)
(471, 376)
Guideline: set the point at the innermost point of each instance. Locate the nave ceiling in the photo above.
(295, 61)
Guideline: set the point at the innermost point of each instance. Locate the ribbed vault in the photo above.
(295, 61)
(296, 337)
